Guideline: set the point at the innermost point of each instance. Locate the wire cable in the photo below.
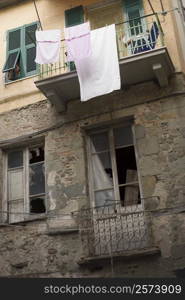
(34, 1)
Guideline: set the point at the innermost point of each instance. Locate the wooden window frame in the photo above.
(109, 129)
(27, 216)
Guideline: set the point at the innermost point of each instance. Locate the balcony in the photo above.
(114, 230)
(140, 44)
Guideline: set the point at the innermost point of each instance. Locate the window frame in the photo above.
(22, 53)
(27, 215)
(115, 187)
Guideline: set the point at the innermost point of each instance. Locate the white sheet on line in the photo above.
(48, 46)
(99, 74)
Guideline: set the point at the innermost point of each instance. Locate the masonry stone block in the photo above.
(139, 132)
(178, 251)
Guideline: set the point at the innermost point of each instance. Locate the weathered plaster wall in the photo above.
(45, 247)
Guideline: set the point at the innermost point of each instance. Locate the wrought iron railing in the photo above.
(134, 36)
(113, 229)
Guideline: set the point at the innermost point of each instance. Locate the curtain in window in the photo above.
(102, 178)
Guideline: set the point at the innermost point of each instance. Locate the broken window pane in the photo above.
(37, 205)
(37, 179)
(104, 197)
(100, 142)
(125, 159)
(15, 159)
(15, 184)
(36, 155)
(123, 136)
(102, 170)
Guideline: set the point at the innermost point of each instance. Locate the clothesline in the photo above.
(93, 52)
(116, 24)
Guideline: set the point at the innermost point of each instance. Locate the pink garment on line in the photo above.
(48, 46)
(78, 42)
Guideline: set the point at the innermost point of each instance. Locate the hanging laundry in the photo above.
(154, 33)
(48, 46)
(147, 41)
(99, 73)
(78, 41)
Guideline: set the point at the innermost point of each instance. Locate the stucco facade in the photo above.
(53, 245)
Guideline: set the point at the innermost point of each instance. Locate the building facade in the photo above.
(93, 189)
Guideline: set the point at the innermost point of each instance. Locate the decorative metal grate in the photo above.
(113, 229)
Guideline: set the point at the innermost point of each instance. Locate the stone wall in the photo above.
(51, 247)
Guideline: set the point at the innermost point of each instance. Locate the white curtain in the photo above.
(102, 180)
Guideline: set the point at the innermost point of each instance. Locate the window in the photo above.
(25, 187)
(21, 52)
(112, 167)
(134, 10)
(74, 16)
(136, 27)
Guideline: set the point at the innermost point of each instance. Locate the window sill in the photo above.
(121, 256)
(24, 222)
(21, 79)
(59, 231)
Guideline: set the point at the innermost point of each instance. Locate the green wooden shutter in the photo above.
(21, 50)
(11, 61)
(13, 53)
(14, 39)
(74, 16)
(30, 49)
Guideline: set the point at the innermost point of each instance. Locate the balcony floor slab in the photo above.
(146, 66)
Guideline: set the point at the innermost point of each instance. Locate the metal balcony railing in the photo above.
(133, 37)
(113, 229)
